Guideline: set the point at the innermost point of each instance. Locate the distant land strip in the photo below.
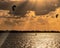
(16, 31)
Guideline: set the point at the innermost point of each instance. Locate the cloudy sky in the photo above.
(15, 0)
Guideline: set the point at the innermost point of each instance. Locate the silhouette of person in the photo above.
(57, 15)
(13, 7)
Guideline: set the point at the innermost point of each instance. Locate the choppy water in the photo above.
(32, 40)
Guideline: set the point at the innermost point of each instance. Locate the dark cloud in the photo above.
(41, 10)
(21, 9)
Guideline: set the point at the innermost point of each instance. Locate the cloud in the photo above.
(40, 8)
(43, 9)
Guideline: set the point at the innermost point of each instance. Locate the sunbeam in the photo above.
(41, 7)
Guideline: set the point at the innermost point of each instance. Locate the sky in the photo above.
(15, 0)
